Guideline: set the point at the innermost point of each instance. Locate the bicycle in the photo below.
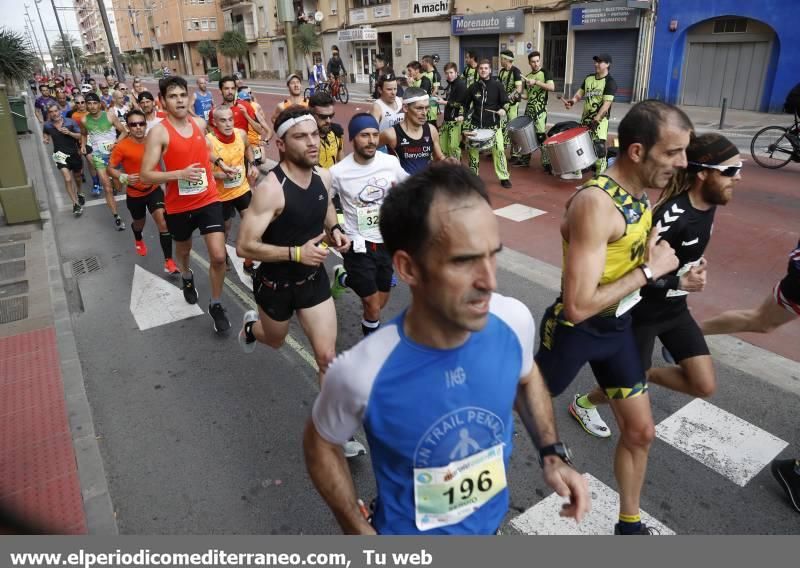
(338, 90)
(775, 146)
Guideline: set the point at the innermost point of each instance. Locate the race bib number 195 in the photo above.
(193, 187)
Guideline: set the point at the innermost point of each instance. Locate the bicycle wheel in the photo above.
(307, 93)
(770, 148)
(344, 94)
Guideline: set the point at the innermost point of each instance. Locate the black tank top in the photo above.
(302, 218)
(414, 154)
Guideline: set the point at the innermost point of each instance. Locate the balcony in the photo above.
(232, 3)
(247, 29)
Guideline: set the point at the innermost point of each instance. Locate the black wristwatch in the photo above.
(559, 449)
(217, 161)
(648, 274)
(337, 226)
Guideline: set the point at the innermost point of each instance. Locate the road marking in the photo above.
(155, 302)
(101, 201)
(238, 265)
(543, 518)
(250, 303)
(727, 444)
(518, 212)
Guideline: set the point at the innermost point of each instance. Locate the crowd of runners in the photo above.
(434, 388)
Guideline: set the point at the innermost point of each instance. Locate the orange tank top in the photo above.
(182, 196)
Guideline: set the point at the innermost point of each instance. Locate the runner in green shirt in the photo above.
(538, 84)
(598, 92)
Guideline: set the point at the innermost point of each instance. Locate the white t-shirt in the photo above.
(362, 189)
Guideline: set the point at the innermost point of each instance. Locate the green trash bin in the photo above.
(214, 74)
(17, 105)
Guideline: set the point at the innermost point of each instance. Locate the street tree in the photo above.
(18, 61)
(233, 45)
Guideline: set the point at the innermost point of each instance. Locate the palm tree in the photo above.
(64, 51)
(307, 41)
(233, 45)
(208, 51)
(17, 60)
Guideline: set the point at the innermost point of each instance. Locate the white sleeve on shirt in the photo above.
(518, 317)
(347, 385)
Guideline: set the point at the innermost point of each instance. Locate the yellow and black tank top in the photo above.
(627, 252)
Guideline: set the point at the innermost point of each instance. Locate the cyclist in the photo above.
(335, 67)
(318, 76)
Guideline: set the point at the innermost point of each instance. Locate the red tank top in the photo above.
(182, 196)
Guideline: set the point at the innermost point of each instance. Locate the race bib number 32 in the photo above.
(368, 218)
(193, 187)
(447, 495)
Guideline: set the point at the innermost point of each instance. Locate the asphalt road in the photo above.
(199, 438)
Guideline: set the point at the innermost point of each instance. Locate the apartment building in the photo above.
(168, 31)
(90, 24)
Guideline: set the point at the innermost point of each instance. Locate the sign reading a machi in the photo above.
(429, 8)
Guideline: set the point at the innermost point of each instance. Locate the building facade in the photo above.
(90, 23)
(742, 51)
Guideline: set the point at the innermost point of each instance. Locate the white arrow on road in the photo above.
(155, 302)
(238, 264)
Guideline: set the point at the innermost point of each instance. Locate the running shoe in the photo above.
(217, 313)
(643, 531)
(353, 448)
(170, 267)
(787, 473)
(141, 248)
(506, 183)
(249, 268)
(571, 175)
(81, 199)
(667, 356)
(336, 288)
(96, 190)
(247, 346)
(189, 291)
(589, 419)
(77, 210)
(119, 223)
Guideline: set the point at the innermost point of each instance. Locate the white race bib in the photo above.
(626, 303)
(235, 181)
(206, 113)
(681, 271)
(257, 154)
(369, 218)
(105, 147)
(193, 187)
(447, 495)
(60, 158)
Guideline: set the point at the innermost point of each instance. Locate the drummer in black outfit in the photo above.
(684, 217)
(486, 105)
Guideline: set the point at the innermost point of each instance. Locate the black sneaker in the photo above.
(189, 291)
(77, 210)
(81, 199)
(506, 183)
(118, 223)
(217, 313)
(787, 472)
(643, 531)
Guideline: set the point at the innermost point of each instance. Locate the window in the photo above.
(188, 25)
(196, 25)
(212, 24)
(158, 31)
(730, 26)
(368, 3)
(204, 25)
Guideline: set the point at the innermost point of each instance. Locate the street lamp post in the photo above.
(73, 66)
(38, 13)
(110, 38)
(29, 25)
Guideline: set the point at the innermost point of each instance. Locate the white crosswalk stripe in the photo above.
(518, 212)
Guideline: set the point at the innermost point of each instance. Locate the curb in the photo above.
(97, 506)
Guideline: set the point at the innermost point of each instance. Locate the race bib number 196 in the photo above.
(447, 495)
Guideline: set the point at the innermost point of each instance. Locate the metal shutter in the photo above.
(620, 45)
(435, 45)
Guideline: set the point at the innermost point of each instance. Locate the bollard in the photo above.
(16, 192)
(722, 114)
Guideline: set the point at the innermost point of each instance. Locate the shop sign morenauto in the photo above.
(430, 8)
(507, 21)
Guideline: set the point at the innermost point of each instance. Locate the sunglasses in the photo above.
(725, 171)
(326, 116)
(135, 124)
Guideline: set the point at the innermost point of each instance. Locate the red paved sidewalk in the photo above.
(38, 473)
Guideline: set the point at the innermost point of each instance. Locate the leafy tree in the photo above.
(233, 45)
(18, 61)
(62, 52)
(307, 40)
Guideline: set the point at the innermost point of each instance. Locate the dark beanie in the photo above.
(710, 149)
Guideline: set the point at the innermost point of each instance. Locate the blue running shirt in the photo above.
(203, 104)
(426, 408)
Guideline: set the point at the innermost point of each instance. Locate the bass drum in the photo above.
(570, 151)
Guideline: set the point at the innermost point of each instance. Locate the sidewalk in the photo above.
(51, 476)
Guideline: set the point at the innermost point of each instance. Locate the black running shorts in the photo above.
(679, 333)
(150, 202)
(74, 164)
(606, 343)
(208, 219)
(230, 207)
(280, 302)
(369, 272)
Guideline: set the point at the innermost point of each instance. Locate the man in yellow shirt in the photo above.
(331, 134)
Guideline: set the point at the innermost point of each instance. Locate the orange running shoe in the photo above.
(141, 248)
(170, 267)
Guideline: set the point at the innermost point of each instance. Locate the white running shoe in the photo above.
(571, 175)
(589, 419)
(249, 316)
(353, 448)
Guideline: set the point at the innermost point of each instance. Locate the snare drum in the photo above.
(570, 151)
(482, 139)
(522, 132)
